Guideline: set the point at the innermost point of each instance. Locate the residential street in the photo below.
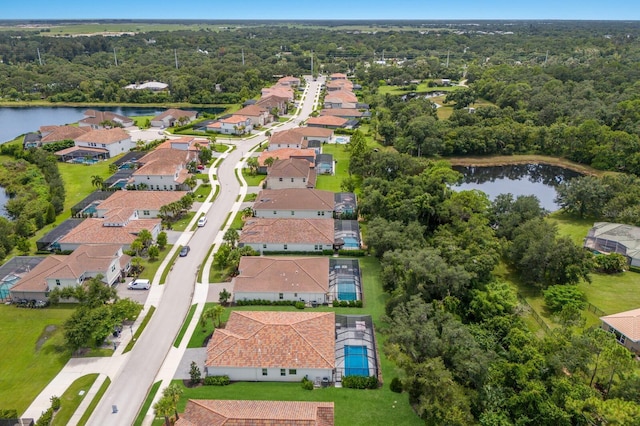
(149, 358)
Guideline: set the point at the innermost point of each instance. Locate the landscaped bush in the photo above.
(45, 418)
(360, 382)
(558, 297)
(264, 302)
(299, 305)
(216, 380)
(395, 385)
(610, 263)
(307, 384)
(347, 304)
(9, 414)
(352, 253)
(55, 403)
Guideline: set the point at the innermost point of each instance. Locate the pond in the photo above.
(17, 121)
(3, 201)
(540, 180)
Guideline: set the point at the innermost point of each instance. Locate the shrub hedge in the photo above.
(216, 380)
(347, 303)
(360, 382)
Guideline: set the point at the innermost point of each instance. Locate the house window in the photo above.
(293, 213)
(165, 187)
(104, 145)
(318, 213)
(322, 213)
(279, 179)
(291, 179)
(293, 371)
(281, 296)
(264, 371)
(57, 282)
(171, 187)
(295, 294)
(283, 372)
(145, 212)
(113, 268)
(303, 179)
(285, 246)
(275, 212)
(264, 246)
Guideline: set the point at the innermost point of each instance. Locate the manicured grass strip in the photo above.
(151, 266)
(202, 192)
(200, 269)
(250, 197)
(32, 353)
(182, 223)
(140, 329)
(201, 333)
(215, 194)
(341, 155)
(252, 180)
(163, 277)
(147, 403)
(185, 324)
(226, 219)
(94, 403)
(71, 398)
(237, 223)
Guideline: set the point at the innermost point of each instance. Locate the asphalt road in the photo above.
(130, 386)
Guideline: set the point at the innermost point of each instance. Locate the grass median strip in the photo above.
(163, 277)
(185, 324)
(147, 404)
(201, 268)
(140, 329)
(94, 403)
(71, 398)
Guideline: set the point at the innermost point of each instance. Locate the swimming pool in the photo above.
(6, 284)
(119, 184)
(347, 290)
(342, 139)
(356, 361)
(90, 209)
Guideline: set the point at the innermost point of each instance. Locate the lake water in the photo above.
(3, 201)
(519, 179)
(16, 121)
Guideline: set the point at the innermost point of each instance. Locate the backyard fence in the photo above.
(599, 312)
(534, 314)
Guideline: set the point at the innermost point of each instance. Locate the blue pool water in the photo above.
(341, 139)
(119, 184)
(347, 290)
(355, 361)
(351, 243)
(6, 284)
(90, 209)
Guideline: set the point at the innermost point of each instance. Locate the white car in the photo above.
(202, 221)
(139, 284)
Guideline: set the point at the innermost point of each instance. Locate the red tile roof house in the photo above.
(58, 271)
(340, 99)
(142, 204)
(327, 121)
(339, 85)
(300, 203)
(343, 112)
(172, 117)
(273, 102)
(185, 143)
(282, 278)
(289, 81)
(52, 134)
(280, 91)
(211, 412)
(95, 119)
(626, 327)
(300, 137)
(234, 125)
(273, 346)
(283, 154)
(295, 235)
(258, 115)
(291, 173)
(116, 228)
(163, 170)
(115, 141)
(338, 76)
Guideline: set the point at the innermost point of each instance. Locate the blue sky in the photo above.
(322, 9)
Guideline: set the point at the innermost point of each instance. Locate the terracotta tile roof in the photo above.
(192, 141)
(105, 136)
(163, 162)
(294, 199)
(282, 274)
(209, 412)
(298, 134)
(96, 117)
(49, 128)
(281, 91)
(140, 200)
(175, 113)
(337, 76)
(252, 111)
(94, 231)
(288, 231)
(339, 84)
(288, 80)
(342, 112)
(63, 133)
(270, 101)
(627, 323)
(273, 339)
(290, 168)
(285, 153)
(327, 120)
(342, 95)
(86, 258)
(234, 119)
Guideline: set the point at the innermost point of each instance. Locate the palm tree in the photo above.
(97, 181)
(173, 392)
(191, 182)
(218, 310)
(164, 407)
(269, 161)
(247, 212)
(253, 165)
(231, 237)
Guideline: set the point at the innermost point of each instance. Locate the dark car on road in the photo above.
(184, 251)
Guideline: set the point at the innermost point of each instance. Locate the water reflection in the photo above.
(518, 179)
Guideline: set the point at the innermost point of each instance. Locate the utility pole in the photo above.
(312, 62)
(242, 57)
(115, 57)
(546, 57)
(39, 58)
(175, 54)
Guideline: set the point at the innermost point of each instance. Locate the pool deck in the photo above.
(352, 337)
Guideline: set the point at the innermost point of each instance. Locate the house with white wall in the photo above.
(272, 346)
(299, 203)
(61, 271)
(96, 119)
(291, 173)
(258, 115)
(145, 204)
(300, 138)
(163, 170)
(281, 235)
(172, 117)
(115, 141)
(233, 125)
(121, 227)
(282, 278)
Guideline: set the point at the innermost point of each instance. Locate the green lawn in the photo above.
(202, 191)
(573, 227)
(252, 180)
(71, 398)
(77, 180)
(341, 155)
(238, 223)
(185, 324)
(181, 224)
(250, 197)
(141, 120)
(31, 352)
(151, 266)
(94, 402)
(147, 403)
(140, 329)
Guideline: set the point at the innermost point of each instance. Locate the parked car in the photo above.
(139, 284)
(202, 221)
(184, 251)
(200, 167)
